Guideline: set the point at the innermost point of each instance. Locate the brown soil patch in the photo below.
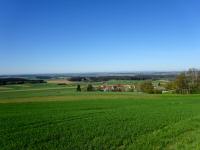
(61, 81)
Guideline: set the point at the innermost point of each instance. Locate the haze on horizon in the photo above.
(63, 36)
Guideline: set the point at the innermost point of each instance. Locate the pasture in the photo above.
(50, 116)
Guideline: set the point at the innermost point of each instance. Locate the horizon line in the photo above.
(94, 72)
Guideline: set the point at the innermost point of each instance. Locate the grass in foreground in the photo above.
(98, 120)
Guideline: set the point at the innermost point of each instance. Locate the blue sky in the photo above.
(61, 36)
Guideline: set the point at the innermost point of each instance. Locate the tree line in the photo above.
(7, 81)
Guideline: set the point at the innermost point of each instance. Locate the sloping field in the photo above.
(63, 119)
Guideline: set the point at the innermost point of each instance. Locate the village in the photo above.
(146, 87)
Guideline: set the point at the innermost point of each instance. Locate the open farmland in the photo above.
(48, 116)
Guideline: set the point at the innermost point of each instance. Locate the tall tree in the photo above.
(90, 87)
(181, 84)
(78, 89)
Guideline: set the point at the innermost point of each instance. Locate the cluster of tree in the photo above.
(90, 88)
(7, 81)
(107, 78)
(148, 87)
(186, 83)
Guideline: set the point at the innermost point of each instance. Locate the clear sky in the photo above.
(61, 36)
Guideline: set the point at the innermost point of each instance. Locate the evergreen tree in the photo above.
(90, 87)
(78, 89)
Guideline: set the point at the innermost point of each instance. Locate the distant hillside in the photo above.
(107, 78)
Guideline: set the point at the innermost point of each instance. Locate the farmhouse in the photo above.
(115, 88)
(105, 88)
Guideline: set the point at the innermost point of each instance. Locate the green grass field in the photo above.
(54, 117)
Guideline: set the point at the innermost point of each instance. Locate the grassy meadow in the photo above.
(51, 116)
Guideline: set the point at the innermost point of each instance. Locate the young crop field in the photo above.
(54, 117)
